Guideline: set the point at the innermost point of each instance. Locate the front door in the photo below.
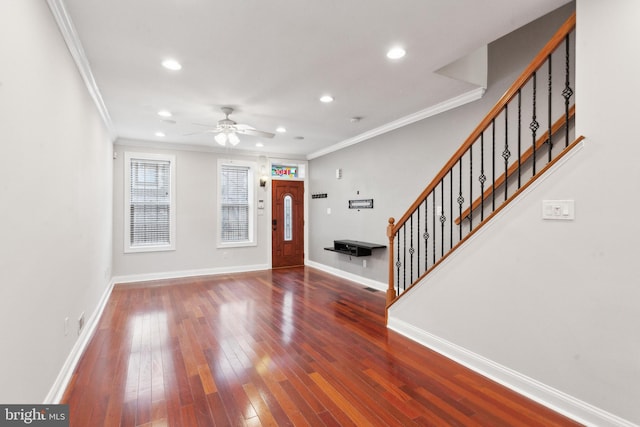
(287, 223)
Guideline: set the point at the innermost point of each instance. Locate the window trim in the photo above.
(252, 183)
(128, 157)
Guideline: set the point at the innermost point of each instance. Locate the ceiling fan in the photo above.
(227, 130)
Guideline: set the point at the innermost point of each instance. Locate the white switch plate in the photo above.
(562, 210)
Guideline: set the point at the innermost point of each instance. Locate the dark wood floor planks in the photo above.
(274, 348)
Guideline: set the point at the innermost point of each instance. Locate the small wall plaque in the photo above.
(361, 204)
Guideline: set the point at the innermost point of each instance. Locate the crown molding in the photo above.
(449, 104)
(178, 146)
(74, 45)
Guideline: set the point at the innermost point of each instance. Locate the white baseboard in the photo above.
(556, 400)
(56, 392)
(349, 276)
(188, 273)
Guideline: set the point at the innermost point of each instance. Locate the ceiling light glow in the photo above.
(221, 138)
(233, 138)
(164, 113)
(396, 53)
(326, 98)
(259, 144)
(281, 129)
(171, 64)
(160, 134)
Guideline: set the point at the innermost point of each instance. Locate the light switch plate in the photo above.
(561, 210)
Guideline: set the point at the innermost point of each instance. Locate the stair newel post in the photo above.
(391, 292)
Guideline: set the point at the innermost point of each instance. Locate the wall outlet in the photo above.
(364, 263)
(80, 323)
(66, 326)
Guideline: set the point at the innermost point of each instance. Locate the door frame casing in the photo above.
(303, 166)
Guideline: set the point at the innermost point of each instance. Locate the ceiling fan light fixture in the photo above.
(221, 138)
(233, 138)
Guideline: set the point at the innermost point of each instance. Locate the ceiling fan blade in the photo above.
(254, 132)
(201, 132)
(202, 124)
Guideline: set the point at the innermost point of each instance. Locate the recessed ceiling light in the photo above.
(281, 129)
(171, 64)
(326, 98)
(164, 113)
(259, 144)
(160, 134)
(396, 53)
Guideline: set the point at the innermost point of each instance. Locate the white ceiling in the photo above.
(271, 60)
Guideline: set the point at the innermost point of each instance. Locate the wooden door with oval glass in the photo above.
(287, 223)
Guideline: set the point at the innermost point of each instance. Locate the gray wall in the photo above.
(558, 302)
(196, 222)
(395, 167)
(55, 192)
(196, 250)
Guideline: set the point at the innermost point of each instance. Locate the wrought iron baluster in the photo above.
(418, 243)
(404, 256)
(482, 178)
(433, 240)
(549, 118)
(398, 263)
(460, 199)
(519, 137)
(567, 92)
(506, 154)
(443, 218)
(470, 188)
(425, 236)
(534, 125)
(451, 207)
(411, 250)
(493, 165)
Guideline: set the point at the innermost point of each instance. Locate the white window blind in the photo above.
(235, 204)
(150, 221)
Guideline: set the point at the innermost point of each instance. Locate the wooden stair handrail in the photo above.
(537, 62)
(559, 124)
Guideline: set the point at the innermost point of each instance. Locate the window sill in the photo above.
(138, 249)
(237, 244)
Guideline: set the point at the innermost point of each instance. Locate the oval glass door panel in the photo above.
(288, 223)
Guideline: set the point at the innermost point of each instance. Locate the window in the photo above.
(149, 202)
(236, 219)
(288, 225)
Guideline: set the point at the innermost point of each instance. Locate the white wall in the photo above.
(395, 167)
(55, 202)
(557, 303)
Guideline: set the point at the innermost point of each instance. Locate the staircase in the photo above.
(528, 130)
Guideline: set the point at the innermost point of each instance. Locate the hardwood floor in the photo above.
(272, 348)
